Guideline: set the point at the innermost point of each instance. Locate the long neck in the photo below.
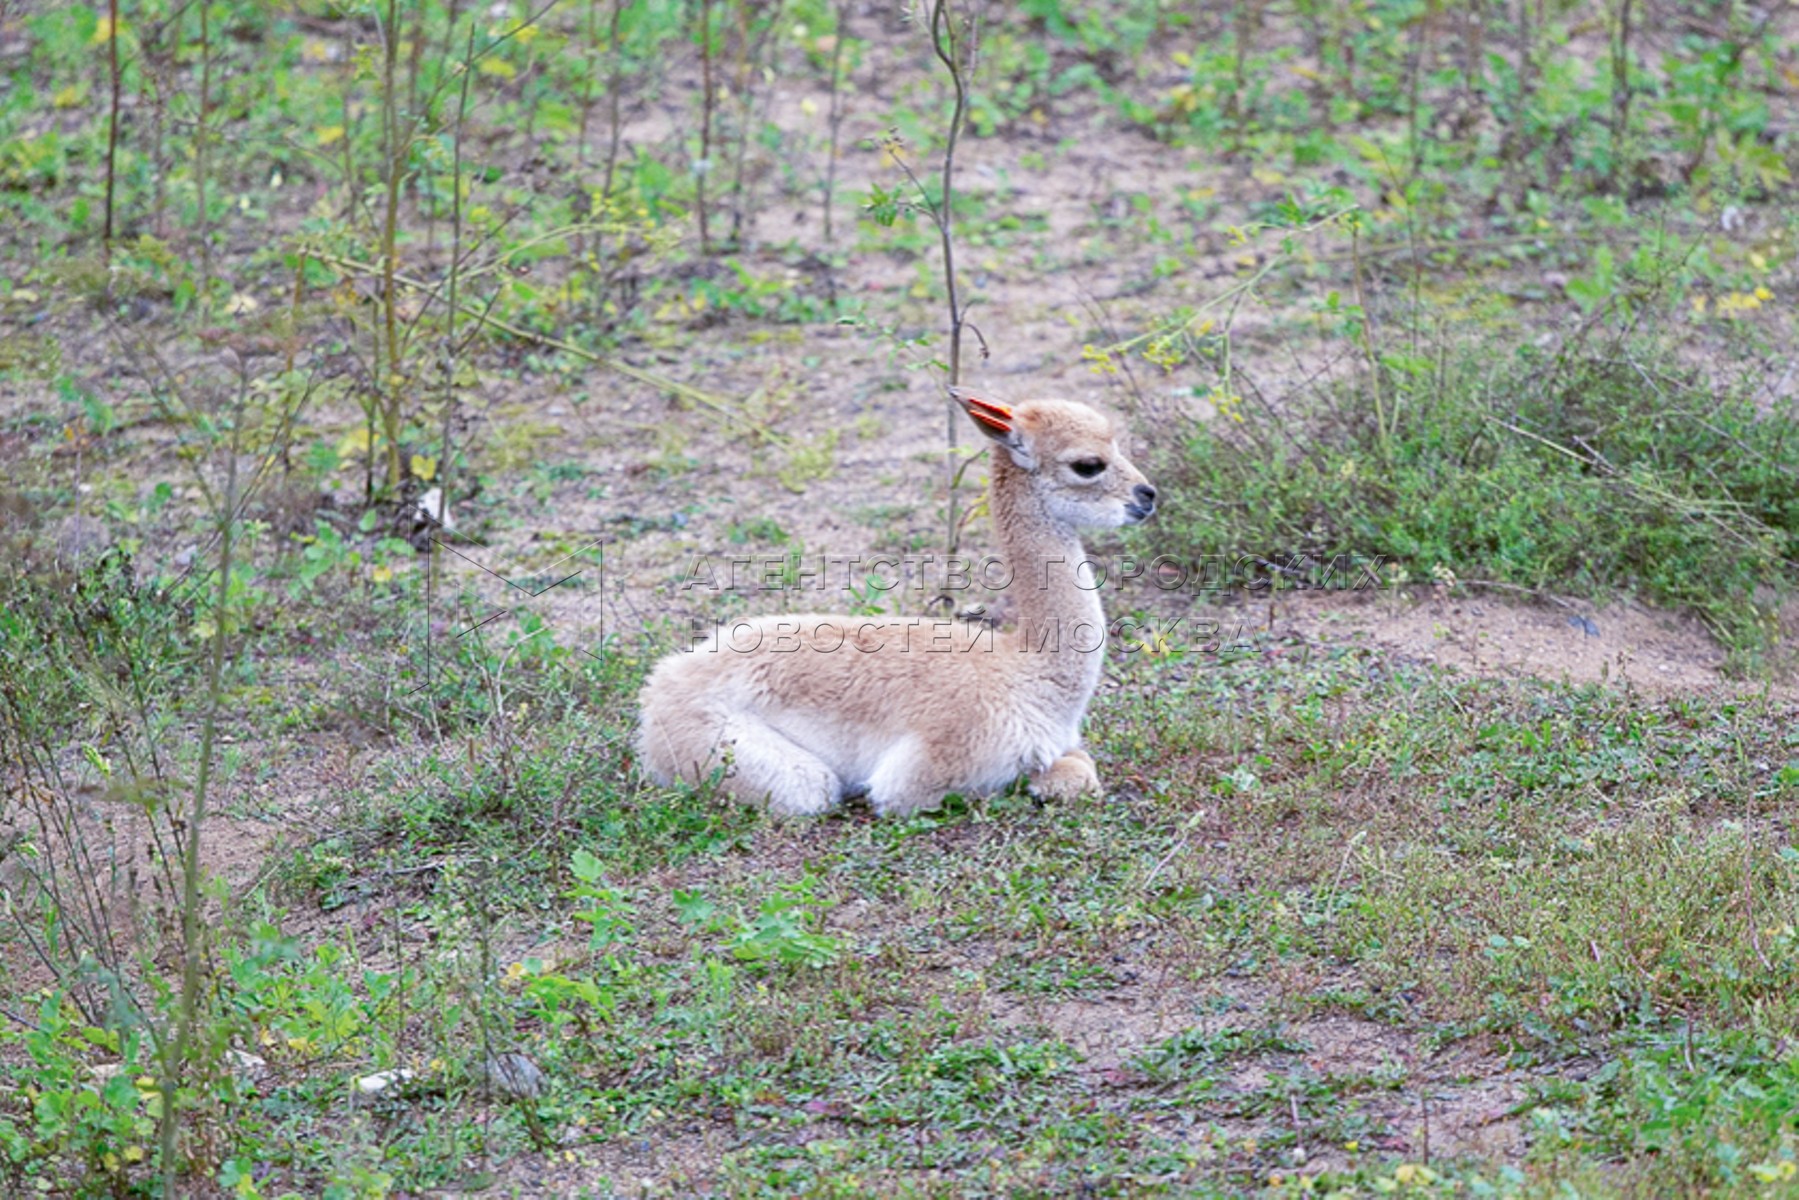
(1060, 620)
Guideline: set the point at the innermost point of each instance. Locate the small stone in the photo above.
(515, 1075)
(381, 1081)
(435, 510)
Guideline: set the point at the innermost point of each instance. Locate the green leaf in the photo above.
(692, 908)
(585, 866)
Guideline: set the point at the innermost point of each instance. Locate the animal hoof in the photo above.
(800, 805)
(1068, 778)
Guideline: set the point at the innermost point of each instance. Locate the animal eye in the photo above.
(1087, 468)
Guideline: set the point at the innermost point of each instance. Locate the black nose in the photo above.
(1146, 495)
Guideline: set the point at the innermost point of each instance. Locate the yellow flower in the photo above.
(1099, 361)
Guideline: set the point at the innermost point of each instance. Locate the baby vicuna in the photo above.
(809, 709)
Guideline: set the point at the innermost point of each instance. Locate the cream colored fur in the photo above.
(814, 708)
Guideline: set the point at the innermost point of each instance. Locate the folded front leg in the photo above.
(1068, 778)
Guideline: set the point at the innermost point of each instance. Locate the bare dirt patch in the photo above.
(1622, 643)
(1109, 1031)
(1457, 1101)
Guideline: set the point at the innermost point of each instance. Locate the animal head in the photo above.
(1071, 456)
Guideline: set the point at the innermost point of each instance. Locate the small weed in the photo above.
(758, 531)
(778, 933)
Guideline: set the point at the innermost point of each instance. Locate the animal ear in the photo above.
(997, 422)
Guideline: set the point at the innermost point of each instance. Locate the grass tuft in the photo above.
(1593, 476)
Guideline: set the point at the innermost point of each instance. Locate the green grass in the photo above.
(1585, 882)
(1567, 875)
